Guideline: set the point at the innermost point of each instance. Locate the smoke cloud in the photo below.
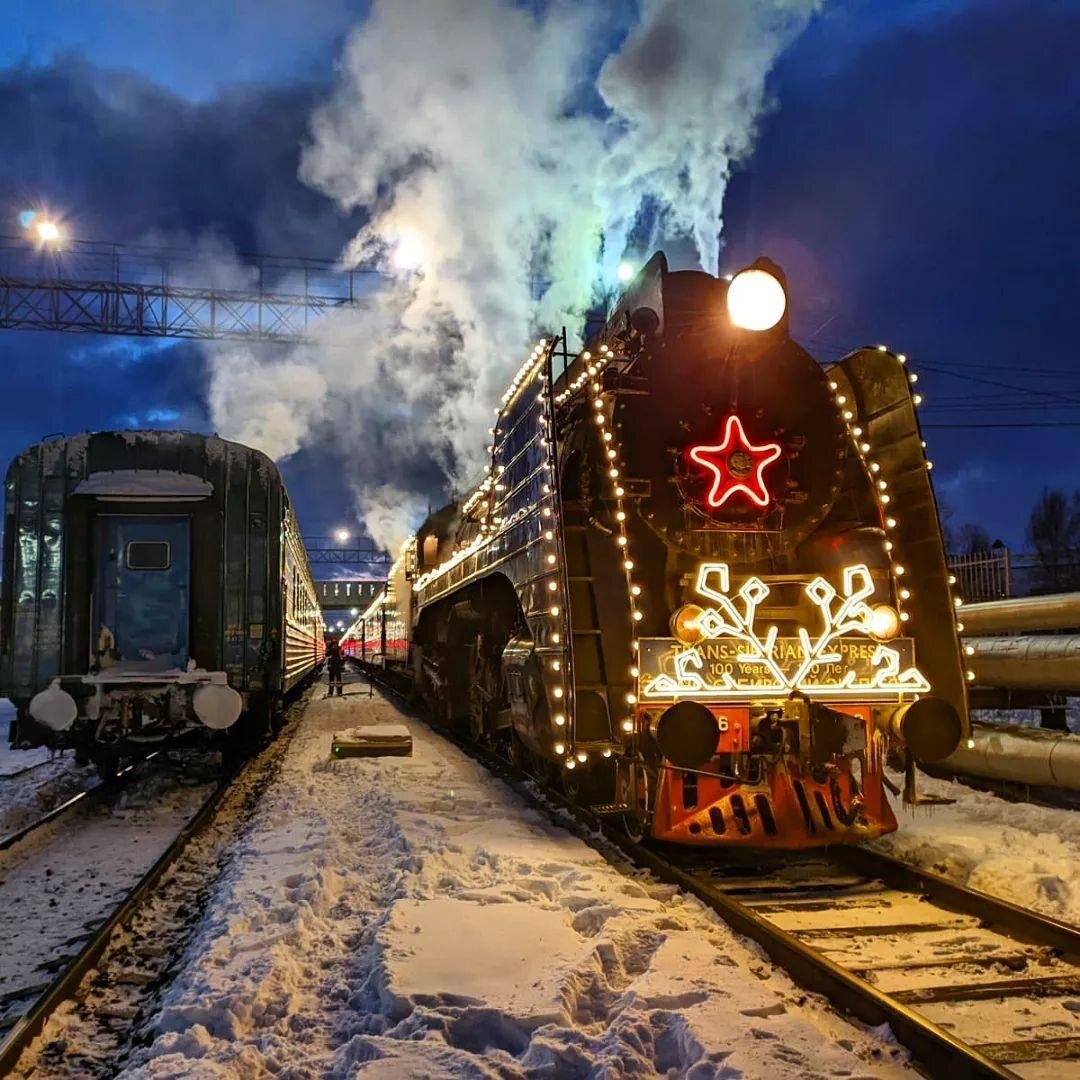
(688, 86)
(503, 164)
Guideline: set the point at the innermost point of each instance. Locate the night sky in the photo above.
(916, 177)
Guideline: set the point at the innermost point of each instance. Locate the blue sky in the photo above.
(193, 47)
(915, 177)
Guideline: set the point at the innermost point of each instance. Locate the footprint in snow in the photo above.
(763, 1011)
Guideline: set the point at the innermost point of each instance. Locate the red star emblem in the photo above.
(737, 466)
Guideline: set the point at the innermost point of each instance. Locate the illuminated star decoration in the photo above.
(737, 466)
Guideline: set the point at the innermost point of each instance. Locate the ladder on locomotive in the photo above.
(601, 653)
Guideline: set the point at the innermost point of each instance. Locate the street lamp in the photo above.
(48, 232)
(341, 535)
(44, 230)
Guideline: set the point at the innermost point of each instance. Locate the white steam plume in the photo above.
(689, 85)
(458, 126)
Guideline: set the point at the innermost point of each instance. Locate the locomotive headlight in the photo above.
(755, 300)
(884, 622)
(684, 624)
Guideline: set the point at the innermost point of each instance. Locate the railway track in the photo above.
(95, 791)
(885, 941)
(121, 962)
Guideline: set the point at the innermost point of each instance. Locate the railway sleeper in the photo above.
(1022, 1051)
(1041, 986)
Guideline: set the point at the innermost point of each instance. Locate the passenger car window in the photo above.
(148, 555)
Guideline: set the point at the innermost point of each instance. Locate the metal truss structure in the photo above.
(86, 286)
(323, 550)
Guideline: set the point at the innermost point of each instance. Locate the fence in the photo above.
(983, 575)
(1000, 573)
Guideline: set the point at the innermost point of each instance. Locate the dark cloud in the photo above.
(47, 391)
(121, 158)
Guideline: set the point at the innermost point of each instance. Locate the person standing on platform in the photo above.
(335, 665)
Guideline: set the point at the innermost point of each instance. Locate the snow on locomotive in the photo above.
(155, 586)
(703, 578)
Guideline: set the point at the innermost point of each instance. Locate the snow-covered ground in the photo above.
(1028, 717)
(1024, 853)
(407, 917)
(32, 782)
(15, 761)
(63, 880)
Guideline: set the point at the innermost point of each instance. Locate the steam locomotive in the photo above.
(155, 587)
(702, 580)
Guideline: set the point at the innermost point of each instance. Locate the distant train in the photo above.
(154, 586)
(702, 580)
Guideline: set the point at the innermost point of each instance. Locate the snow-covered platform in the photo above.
(412, 916)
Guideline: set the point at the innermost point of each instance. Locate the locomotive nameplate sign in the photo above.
(837, 658)
(722, 668)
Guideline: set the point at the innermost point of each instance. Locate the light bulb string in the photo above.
(567, 706)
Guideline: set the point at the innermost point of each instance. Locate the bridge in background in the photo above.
(326, 551)
(94, 287)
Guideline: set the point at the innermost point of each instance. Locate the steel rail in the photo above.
(31, 1023)
(101, 788)
(934, 1048)
(1020, 922)
(66, 984)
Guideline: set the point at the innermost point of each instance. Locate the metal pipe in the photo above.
(1050, 662)
(1060, 611)
(1023, 755)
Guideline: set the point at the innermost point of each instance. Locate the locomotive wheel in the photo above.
(440, 708)
(277, 717)
(636, 826)
(430, 693)
(483, 685)
(513, 749)
(577, 785)
(537, 767)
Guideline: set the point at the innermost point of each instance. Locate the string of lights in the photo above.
(880, 486)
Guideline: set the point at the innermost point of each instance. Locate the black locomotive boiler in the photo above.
(154, 586)
(702, 580)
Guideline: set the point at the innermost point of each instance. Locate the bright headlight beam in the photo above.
(408, 254)
(755, 300)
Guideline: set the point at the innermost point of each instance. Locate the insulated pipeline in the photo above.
(1060, 611)
(1048, 662)
(1021, 755)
